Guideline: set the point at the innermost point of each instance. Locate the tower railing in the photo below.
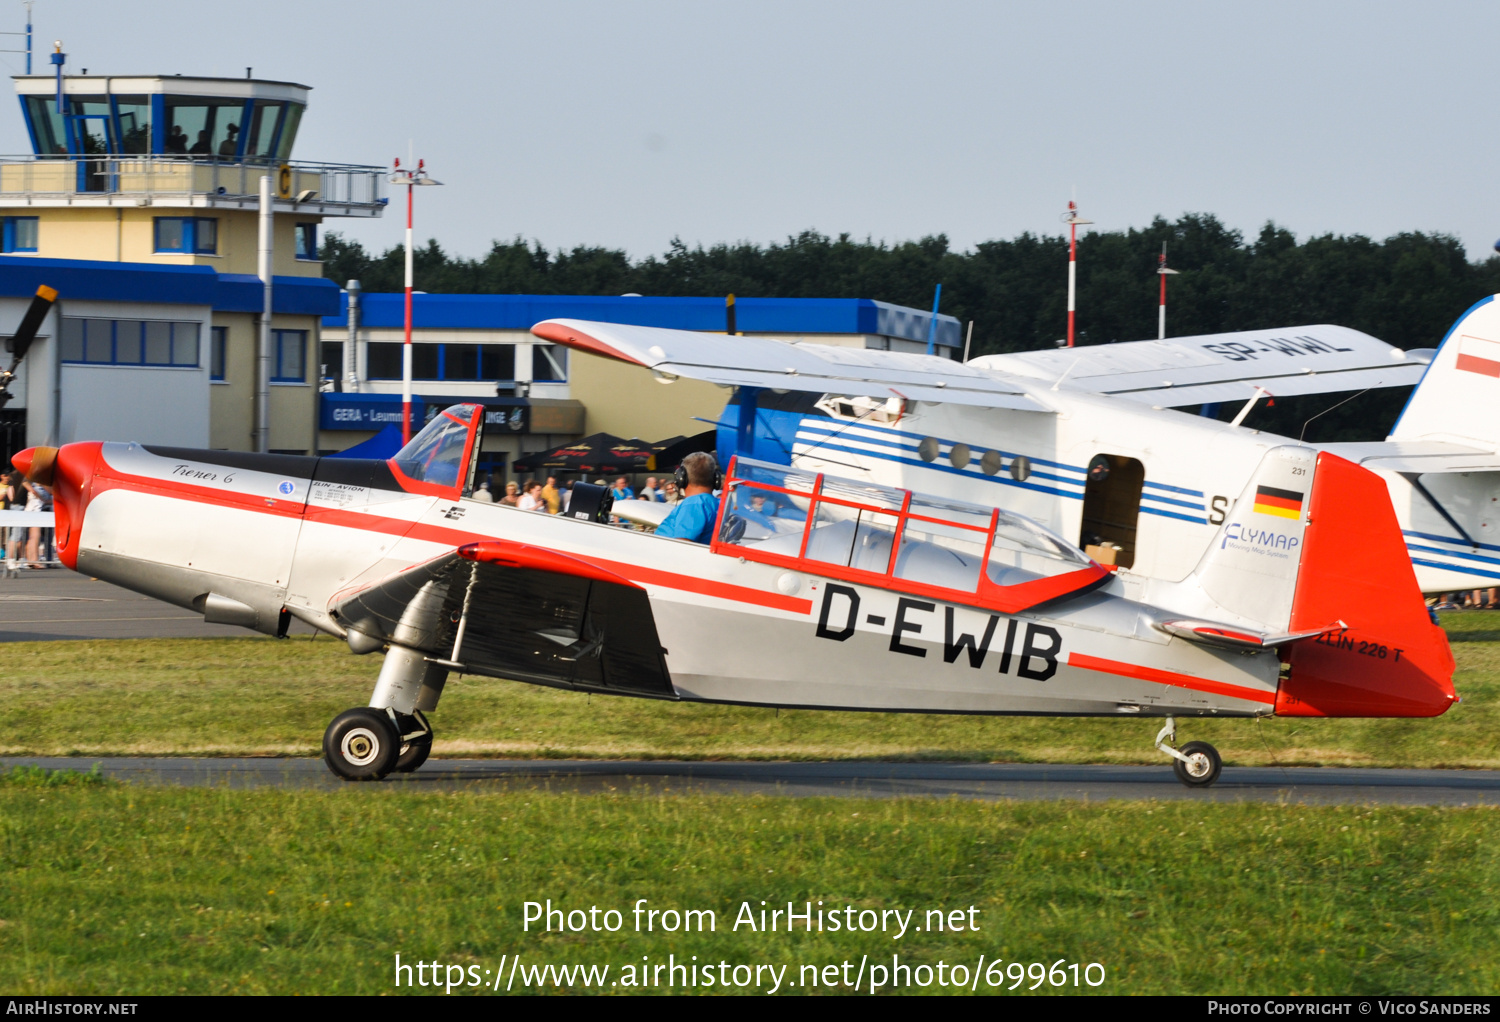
(154, 176)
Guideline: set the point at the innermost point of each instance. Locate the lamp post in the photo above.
(1072, 219)
(410, 178)
(1161, 309)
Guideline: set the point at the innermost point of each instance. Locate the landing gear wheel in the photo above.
(361, 744)
(416, 742)
(1202, 766)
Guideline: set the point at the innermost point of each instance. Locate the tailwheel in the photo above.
(361, 744)
(416, 742)
(1199, 766)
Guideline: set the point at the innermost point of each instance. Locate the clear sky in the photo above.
(626, 124)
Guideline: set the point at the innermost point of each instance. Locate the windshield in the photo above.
(885, 531)
(436, 455)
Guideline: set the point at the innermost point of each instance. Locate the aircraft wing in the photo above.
(1179, 371)
(1418, 457)
(782, 365)
(509, 610)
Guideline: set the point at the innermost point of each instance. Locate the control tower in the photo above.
(164, 172)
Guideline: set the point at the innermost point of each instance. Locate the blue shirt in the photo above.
(692, 518)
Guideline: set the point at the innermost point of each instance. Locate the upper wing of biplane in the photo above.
(1222, 367)
(780, 365)
(1182, 371)
(510, 610)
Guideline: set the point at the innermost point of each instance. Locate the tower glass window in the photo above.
(134, 114)
(44, 119)
(199, 126)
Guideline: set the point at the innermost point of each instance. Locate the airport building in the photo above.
(140, 203)
(479, 348)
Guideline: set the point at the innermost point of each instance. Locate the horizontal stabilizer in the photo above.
(1233, 637)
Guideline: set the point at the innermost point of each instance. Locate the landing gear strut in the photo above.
(1196, 764)
(392, 733)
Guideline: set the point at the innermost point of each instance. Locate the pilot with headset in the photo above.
(694, 516)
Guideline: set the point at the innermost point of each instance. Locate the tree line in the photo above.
(1406, 290)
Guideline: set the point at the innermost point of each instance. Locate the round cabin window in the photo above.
(991, 463)
(958, 454)
(927, 450)
(1020, 468)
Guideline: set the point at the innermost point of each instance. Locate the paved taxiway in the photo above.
(1309, 785)
(54, 603)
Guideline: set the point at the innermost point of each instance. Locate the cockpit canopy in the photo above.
(897, 539)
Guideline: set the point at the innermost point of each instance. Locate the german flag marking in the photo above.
(1282, 503)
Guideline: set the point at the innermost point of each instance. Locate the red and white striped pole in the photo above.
(1072, 219)
(410, 178)
(1161, 310)
(406, 341)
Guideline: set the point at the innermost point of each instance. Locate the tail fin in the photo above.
(1461, 387)
(1251, 569)
(1313, 555)
(1391, 659)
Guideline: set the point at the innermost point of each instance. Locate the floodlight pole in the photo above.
(1161, 310)
(1072, 219)
(410, 178)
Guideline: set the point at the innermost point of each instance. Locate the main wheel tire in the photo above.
(416, 741)
(413, 754)
(361, 744)
(1203, 766)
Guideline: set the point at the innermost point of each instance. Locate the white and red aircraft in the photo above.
(815, 592)
(1085, 440)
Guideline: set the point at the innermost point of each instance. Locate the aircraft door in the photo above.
(1111, 506)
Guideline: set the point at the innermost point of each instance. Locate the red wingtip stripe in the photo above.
(558, 333)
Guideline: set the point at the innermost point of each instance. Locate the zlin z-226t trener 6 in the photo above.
(815, 591)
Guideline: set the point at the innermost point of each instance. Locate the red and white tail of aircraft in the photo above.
(816, 591)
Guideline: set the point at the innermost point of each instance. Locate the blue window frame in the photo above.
(20, 234)
(491, 363)
(129, 342)
(307, 241)
(218, 347)
(289, 361)
(191, 235)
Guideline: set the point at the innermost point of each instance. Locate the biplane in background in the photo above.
(1086, 441)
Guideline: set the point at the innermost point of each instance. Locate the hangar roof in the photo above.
(752, 315)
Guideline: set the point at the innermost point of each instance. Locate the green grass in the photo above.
(138, 890)
(257, 696)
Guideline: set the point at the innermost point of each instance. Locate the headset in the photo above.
(680, 476)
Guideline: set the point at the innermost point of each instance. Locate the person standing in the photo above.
(512, 495)
(622, 490)
(651, 491)
(484, 494)
(551, 496)
(531, 497)
(34, 502)
(13, 494)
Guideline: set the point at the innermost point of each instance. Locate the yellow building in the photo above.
(141, 203)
